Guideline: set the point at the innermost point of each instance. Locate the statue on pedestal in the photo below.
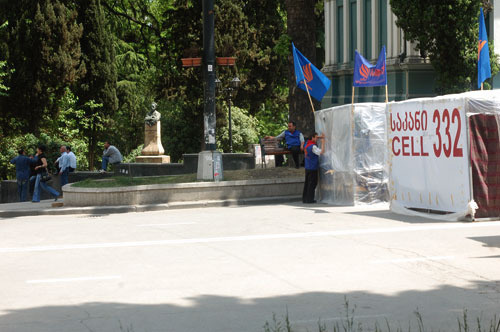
(153, 150)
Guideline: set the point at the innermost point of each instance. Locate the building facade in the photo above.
(367, 25)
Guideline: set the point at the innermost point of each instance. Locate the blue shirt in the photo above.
(292, 139)
(311, 158)
(22, 167)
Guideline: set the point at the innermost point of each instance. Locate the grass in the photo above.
(246, 174)
(348, 323)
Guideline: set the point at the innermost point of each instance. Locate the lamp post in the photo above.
(233, 85)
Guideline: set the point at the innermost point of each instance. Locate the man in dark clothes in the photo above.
(22, 174)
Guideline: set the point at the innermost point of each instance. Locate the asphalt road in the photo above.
(232, 268)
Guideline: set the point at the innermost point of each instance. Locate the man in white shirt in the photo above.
(72, 159)
(63, 161)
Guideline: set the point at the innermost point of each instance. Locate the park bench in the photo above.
(271, 147)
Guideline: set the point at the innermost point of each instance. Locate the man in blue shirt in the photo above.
(294, 141)
(22, 174)
(311, 159)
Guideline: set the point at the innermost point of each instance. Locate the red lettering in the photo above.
(393, 149)
(413, 153)
(405, 145)
(422, 152)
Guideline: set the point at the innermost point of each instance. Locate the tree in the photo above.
(98, 85)
(44, 50)
(447, 32)
(301, 23)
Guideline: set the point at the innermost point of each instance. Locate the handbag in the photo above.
(45, 176)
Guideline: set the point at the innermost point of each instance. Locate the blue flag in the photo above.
(317, 83)
(366, 74)
(483, 53)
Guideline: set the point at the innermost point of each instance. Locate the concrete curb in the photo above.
(100, 210)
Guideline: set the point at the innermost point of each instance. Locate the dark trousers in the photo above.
(310, 186)
(295, 150)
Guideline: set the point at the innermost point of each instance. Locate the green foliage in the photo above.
(244, 131)
(181, 134)
(447, 32)
(44, 49)
(28, 142)
(130, 158)
(3, 73)
(99, 82)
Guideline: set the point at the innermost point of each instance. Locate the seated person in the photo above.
(294, 141)
(110, 155)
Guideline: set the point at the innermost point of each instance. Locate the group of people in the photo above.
(296, 143)
(32, 172)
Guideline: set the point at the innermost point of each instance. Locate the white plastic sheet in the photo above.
(353, 168)
(434, 174)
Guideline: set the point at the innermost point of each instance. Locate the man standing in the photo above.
(72, 159)
(22, 174)
(63, 162)
(111, 155)
(312, 153)
(294, 141)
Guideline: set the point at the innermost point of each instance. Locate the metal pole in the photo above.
(209, 74)
(230, 123)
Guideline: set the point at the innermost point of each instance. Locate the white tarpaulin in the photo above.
(429, 166)
(429, 155)
(353, 168)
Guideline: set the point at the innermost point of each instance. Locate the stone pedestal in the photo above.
(153, 151)
(153, 159)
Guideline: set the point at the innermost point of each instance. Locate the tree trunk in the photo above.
(301, 23)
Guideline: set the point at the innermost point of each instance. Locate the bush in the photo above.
(244, 130)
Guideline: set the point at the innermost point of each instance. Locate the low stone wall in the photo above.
(182, 192)
(230, 161)
(8, 188)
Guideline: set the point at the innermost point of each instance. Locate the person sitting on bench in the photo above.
(294, 141)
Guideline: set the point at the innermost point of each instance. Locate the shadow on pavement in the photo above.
(387, 214)
(439, 307)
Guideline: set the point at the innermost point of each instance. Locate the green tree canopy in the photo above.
(447, 32)
(44, 51)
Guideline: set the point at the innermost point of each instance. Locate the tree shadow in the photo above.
(440, 309)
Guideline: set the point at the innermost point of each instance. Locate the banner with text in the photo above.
(429, 161)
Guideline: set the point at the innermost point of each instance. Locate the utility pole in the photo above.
(209, 160)
(209, 74)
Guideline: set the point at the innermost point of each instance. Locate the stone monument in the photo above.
(153, 151)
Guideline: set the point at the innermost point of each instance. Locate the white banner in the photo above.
(429, 162)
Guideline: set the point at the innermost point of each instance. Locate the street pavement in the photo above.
(231, 268)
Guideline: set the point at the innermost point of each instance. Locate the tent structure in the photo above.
(444, 156)
(353, 168)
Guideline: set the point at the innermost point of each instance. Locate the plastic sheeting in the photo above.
(353, 168)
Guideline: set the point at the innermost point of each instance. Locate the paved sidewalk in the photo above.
(12, 210)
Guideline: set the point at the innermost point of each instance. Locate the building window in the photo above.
(340, 31)
(382, 31)
(367, 13)
(353, 28)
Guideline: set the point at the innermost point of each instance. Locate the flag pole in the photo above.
(309, 95)
(386, 94)
(482, 86)
(352, 100)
